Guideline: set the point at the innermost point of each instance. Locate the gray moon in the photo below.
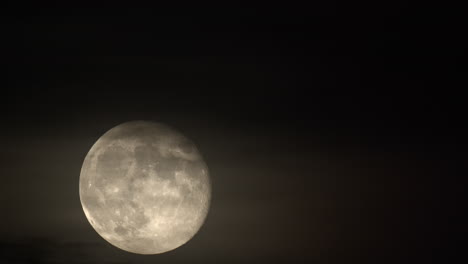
(145, 187)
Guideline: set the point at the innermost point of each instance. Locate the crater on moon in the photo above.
(145, 188)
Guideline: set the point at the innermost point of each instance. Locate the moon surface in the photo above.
(145, 187)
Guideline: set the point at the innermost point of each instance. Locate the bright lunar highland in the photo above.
(145, 187)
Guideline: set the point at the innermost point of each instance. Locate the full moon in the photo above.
(145, 187)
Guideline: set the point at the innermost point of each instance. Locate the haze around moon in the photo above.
(145, 188)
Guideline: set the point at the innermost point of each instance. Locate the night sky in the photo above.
(333, 133)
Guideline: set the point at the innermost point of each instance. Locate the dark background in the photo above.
(333, 132)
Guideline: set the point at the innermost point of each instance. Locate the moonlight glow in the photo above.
(145, 188)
